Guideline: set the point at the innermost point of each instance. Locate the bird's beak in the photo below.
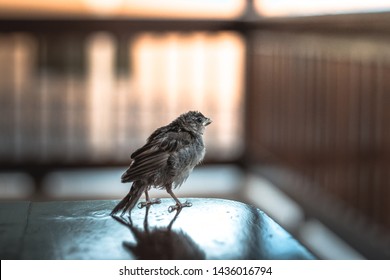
(207, 122)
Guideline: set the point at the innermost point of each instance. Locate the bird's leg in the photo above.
(152, 201)
(178, 205)
(148, 201)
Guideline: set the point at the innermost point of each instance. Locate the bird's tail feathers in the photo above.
(129, 201)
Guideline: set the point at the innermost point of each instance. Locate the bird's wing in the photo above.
(152, 157)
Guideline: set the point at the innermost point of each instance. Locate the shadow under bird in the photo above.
(165, 161)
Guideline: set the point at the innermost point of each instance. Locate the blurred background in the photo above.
(299, 94)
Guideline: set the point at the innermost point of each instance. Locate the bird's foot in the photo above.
(178, 206)
(148, 203)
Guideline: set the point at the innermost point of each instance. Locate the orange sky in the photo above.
(311, 7)
(145, 8)
(183, 8)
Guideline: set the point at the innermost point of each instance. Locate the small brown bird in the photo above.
(165, 161)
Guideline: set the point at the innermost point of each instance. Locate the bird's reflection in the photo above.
(160, 242)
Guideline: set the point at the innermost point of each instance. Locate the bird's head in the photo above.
(194, 121)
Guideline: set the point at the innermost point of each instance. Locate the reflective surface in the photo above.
(210, 229)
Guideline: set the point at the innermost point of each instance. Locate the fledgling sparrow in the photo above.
(165, 161)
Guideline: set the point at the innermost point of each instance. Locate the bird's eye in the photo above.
(199, 119)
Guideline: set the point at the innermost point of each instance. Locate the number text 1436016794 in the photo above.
(254, 270)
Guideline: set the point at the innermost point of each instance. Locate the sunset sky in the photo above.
(184, 9)
(135, 8)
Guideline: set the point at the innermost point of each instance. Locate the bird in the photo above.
(166, 160)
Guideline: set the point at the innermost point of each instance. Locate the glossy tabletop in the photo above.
(210, 229)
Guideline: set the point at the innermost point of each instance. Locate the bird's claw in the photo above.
(141, 205)
(186, 204)
(178, 206)
(156, 201)
(148, 203)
